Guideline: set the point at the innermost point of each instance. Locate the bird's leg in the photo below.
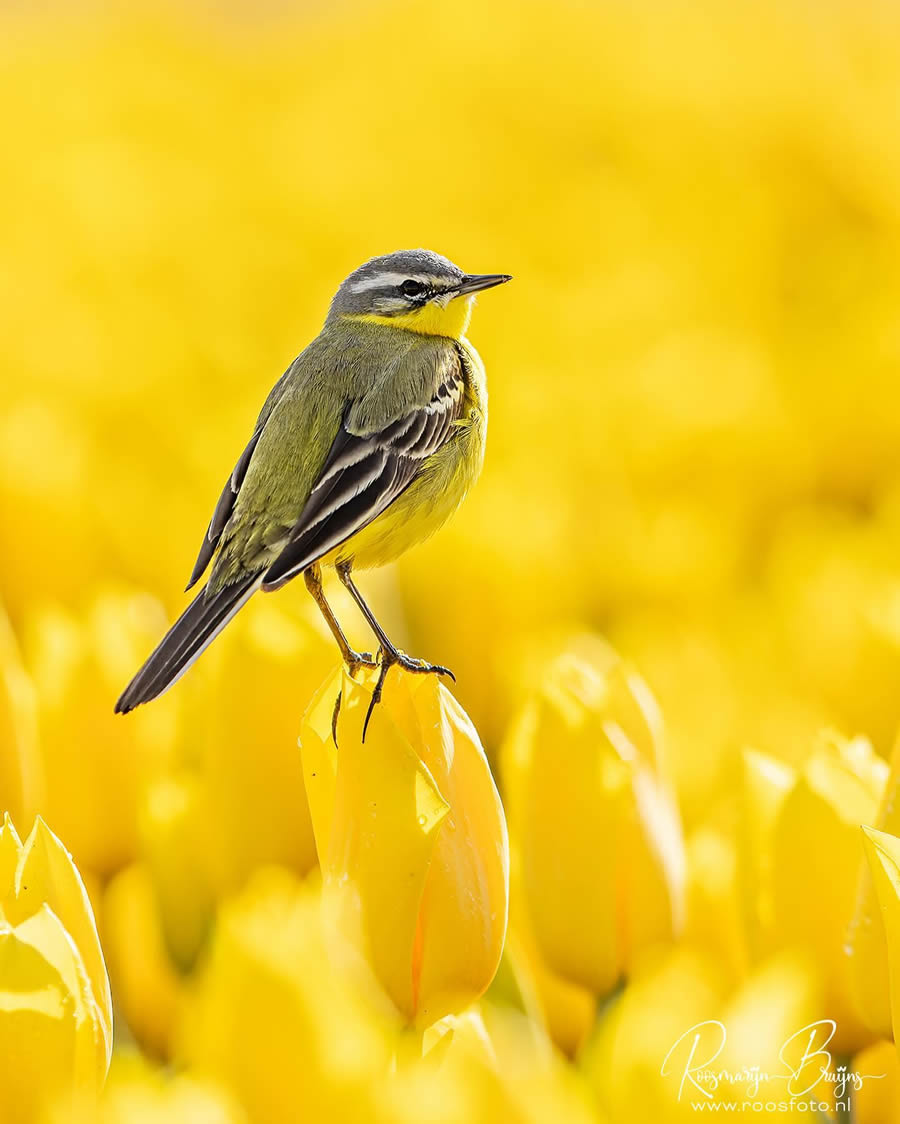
(389, 653)
(354, 660)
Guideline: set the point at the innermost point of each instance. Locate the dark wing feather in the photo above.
(363, 474)
(223, 510)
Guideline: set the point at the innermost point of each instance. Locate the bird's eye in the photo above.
(412, 288)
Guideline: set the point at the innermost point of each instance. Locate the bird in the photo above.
(365, 446)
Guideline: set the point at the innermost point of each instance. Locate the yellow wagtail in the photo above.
(364, 447)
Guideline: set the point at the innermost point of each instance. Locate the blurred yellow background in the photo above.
(694, 442)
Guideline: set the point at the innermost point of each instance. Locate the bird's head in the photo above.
(412, 289)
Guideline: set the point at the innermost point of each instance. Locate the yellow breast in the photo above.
(436, 492)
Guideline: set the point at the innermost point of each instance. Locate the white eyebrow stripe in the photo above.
(385, 280)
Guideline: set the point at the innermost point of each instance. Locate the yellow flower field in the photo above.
(643, 859)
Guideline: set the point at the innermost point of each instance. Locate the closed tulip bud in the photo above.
(776, 1018)
(815, 863)
(177, 823)
(564, 1009)
(411, 838)
(625, 1059)
(95, 764)
(56, 1013)
(273, 1020)
(594, 820)
(714, 917)
(149, 991)
(251, 805)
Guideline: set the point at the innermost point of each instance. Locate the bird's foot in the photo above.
(387, 658)
(408, 663)
(356, 660)
(334, 718)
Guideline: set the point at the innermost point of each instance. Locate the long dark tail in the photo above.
(197, 627)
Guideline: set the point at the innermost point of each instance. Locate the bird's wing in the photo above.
(225, 506)
(223, 510)
(366, 469)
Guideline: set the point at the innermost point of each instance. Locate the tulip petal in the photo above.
(567, 1010)
(838, 789)
(319, 754)
(766, 784)
(37, 1029)
(465, 912)
(10, 854)
(883, 855)
(51, 1035)
(47, 875)
(655, 887)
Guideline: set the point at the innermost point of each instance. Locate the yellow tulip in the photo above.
(179, 832)
(866, 944)
(148, 989)
(713, 915)
(274, 1021)
(411, 838)
(815, 864)
(565, 1010)
(667, 995)
(507, 1067)
(240, 740)
(766, 783)
(877, 1101)
(769, 1022)
(96, 764)
(20, 774)
(56, 1011)
(883, 855)
(594, 820)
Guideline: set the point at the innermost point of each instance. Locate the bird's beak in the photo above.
(475, 282)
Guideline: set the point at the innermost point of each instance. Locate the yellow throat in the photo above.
(434, 319)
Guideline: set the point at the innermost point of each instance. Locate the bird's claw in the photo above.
(334, 718)
(408, 663)
(354, 661)
(387, 658)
